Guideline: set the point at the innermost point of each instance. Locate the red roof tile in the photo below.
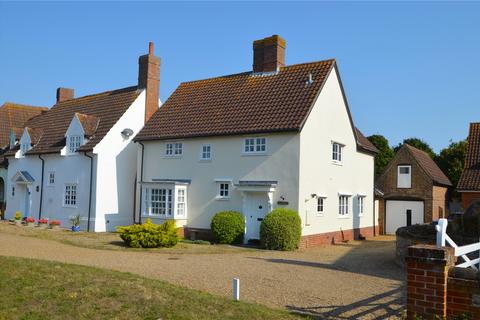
(428, 165)
(470, 178)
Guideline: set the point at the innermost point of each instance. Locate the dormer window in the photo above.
(74, 143)
(24, 147)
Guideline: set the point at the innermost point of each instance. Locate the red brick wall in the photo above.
(468, 197)
(436, 288)
(336, 237)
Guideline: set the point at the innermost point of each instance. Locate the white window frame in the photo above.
(72, 200)
(344, 205)
(224, 190)
(173, 149)
(337, 152)
(51, 176)
(206, 152)
(409, 184)
(24, 147)
(361, 205)
(165, 201)
(321, 206)
(255, 146)
(74, 142)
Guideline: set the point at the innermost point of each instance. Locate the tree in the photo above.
(419, 144)
(385, 152)
(451, 160)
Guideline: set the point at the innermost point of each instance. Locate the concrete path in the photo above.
(353, 281)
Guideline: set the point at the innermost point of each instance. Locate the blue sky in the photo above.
(409, 69)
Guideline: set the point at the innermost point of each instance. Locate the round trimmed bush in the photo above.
(228, 227)
(281, 230)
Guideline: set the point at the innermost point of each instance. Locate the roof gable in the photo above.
(428, 165)
(470, 178)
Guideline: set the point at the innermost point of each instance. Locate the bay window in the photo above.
(165, 201)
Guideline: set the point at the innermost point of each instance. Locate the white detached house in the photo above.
(79, 158)
(280, 136)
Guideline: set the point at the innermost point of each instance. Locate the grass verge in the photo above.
(37, 289)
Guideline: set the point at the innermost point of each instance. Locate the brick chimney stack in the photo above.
(65, 94)
(269, 54)
(149, 79)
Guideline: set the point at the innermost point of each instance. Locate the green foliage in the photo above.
(201, 242)
(149, 235)
(451, 160)
(281, 230)
(228, 227)
(75, 220)
(18, 215)
(385, 152)
(419, 144)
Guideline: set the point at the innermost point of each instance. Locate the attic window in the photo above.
(74, 143)
(24, 148)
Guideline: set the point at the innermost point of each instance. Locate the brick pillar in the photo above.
(427, 274)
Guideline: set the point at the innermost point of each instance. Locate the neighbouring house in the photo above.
(469, 183)
(277, 136)
(79, 158)
(413, 190)
(13, 117)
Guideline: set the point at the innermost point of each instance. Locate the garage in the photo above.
(400, 213)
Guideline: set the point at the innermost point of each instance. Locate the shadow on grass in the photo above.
(380, 304)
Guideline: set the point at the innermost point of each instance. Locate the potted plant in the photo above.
(43, 223)
(30, 222)
(18, 218)
(55, 224)
(75, 223)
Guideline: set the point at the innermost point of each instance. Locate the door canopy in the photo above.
(23, 177)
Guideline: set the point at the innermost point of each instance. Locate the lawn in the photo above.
(110, 241)
(37, 289)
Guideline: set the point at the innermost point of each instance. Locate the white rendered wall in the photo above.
(327, 122)
(116, 170)
(228, 162)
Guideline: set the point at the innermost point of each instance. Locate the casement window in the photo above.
(404, 176)
(255, 145)
(320, 205)
(173, 149)
(24, 147)
(165, 201)
(337, 152)
(70, 195)
(223, 190)
(343, 208)
(74, 143)
(206, 152)
(181, 202)
(51, 178)
(361, 203)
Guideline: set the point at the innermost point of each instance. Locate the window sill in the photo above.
(320, 214)
(344, 216)
(254, 154)
(222, 198)
(173, 157)
(70, 207)
(205, 160)
(337, 163)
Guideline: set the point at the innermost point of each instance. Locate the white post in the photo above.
(441, 232)
(236, 289)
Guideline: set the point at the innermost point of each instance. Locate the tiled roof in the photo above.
(364, 143)
(240, 103)
(244, 103)
(428, 165)
(89, 123)
(103, 110)
(470, 178)
(14, 116)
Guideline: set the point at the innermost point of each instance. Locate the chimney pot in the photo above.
(269, 54)
(150, 48)
(64, 94)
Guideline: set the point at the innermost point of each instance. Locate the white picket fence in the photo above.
(462, 251)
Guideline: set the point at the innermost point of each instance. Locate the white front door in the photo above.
(402, 213)
(256, 207)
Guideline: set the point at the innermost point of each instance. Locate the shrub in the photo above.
(30, 219)
(43, 221)
(281, 230)
(228, 227)
(18, 215)
(149, 235)
(55, 223)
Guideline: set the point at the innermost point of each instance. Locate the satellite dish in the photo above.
(127, 132)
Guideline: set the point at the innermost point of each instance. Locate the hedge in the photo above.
(281, 230)
(228, 227)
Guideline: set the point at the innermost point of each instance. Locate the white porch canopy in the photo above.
(23, 177)
(256, 186)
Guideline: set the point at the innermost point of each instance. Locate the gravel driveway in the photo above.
(358, 280)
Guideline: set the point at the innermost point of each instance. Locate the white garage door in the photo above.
(402, 213)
